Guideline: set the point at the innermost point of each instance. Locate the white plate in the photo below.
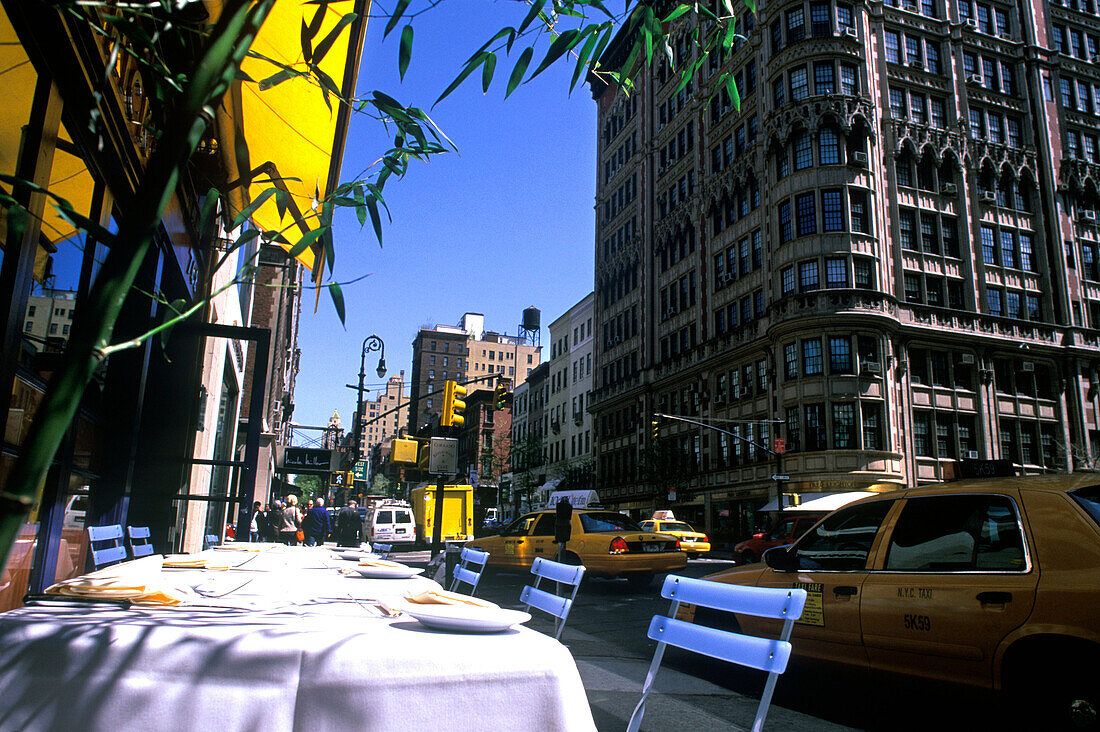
(465, 617)
(401, 572)
(355, 554)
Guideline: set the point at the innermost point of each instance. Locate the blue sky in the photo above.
(504, 224)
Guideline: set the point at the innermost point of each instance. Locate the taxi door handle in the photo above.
(998, 598)
(844, 590)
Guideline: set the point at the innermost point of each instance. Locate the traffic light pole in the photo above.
(437, 521)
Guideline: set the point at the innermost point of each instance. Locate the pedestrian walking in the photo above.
(349, 527)
(274, 522)
(315, 525)
(292, 522)
(257, 518)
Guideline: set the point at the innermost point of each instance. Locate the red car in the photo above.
(790, 526)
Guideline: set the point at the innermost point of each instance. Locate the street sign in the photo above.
(780, 446)
(780, 478)
(443, 457)
(360, 470)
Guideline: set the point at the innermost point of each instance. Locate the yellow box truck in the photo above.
(458, 513)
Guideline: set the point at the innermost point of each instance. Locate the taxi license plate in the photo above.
(651, 547)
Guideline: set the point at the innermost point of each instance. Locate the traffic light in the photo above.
(453, 405)
(500, 395)
(656, 425)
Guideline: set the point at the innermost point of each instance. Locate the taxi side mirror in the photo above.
(781, 558)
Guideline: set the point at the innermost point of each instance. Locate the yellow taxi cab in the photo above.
(988, 583)
(691, 541)
(609, 544)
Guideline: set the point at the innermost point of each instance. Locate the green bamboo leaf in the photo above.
(677, 13)
(735, 97)
(405, 51)
(324, 46)
(278, 78)
(361, 206)
(65, 210)
(206, 215)
(536, 8)
(376, 221)
(519, 70)
(337, 300)
(593, 33)
(731, 33)
(250, 209)
(470, 66)
(396, 17)
(751, 5)
(282, 201)
(487, 71)
(561, 44)
(728, 5)
(306, 241)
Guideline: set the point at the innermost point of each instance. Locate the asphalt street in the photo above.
(606, 632)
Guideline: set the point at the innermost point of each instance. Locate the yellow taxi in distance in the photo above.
(691, 541)
(989, 583)
(609, 544)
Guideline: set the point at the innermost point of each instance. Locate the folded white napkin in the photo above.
(443, 597)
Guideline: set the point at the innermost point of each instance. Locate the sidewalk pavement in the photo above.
(613, 679)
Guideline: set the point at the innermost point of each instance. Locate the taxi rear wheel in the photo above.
(1055, 698)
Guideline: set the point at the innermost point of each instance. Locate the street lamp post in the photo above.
(371, 343)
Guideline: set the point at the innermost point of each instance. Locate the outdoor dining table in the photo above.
(285, 640)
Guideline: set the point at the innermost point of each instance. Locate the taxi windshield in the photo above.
(674, 526)
(607, 521)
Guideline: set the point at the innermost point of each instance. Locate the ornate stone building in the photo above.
(886, 258)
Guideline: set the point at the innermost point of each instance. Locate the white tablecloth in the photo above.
(329, 660)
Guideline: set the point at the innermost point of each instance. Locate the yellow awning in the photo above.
(287, 131)
(69, 177)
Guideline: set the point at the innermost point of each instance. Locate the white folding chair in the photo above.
(110, 554)
(464, 573)
(382, 550)
(142, 549)
(548, 602)
(765, 654)
(211, 541)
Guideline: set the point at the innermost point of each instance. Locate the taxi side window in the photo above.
(843, 540)
(957, 534)
(545, 525)
(519, 527)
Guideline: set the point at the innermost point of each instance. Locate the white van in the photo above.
(392, 524)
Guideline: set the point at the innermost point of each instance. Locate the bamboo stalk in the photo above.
(227, 44)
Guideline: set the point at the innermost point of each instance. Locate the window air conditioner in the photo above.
(975, 79)
(720, 399)
(859, 159)
(1027, 366)
(851, 32)
(917, 66)
(972, 23)
(966, 358)
(1088, 214)
(989, 197)
(746, 391)
(949, 189)
(276, 405)
(872, 367)
(972, 455)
